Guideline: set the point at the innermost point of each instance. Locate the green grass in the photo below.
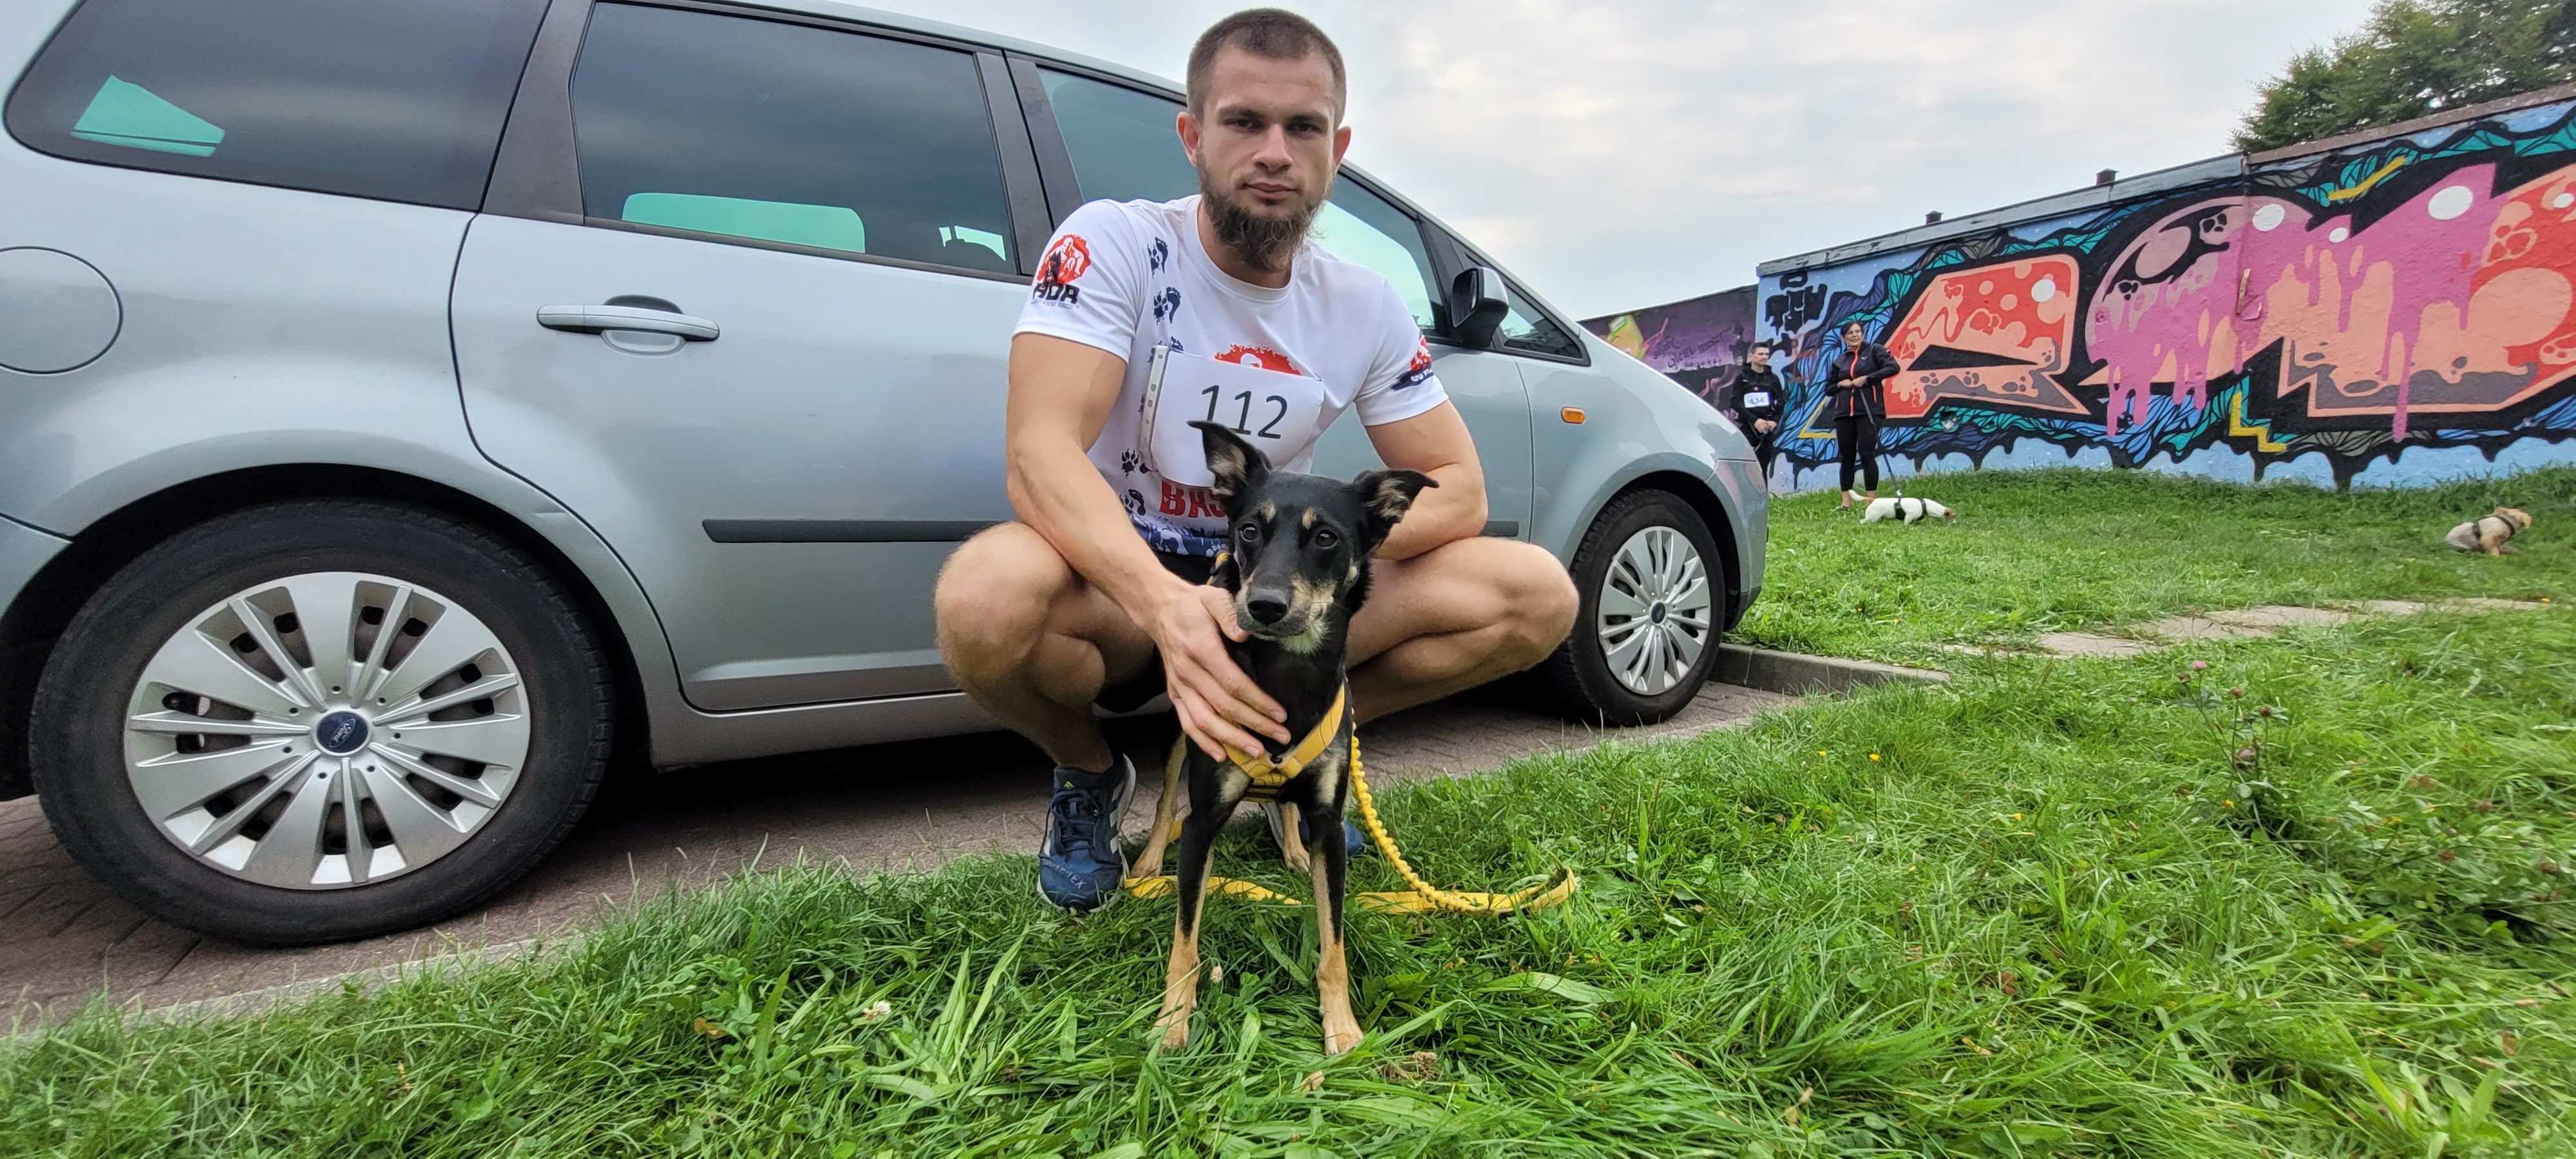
(2068, 549)
(2053, 908)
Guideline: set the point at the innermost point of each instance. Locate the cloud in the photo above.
(1615, 156)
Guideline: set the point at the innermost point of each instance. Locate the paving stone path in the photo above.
(2264, 621)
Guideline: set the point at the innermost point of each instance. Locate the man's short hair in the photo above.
(1271, 33)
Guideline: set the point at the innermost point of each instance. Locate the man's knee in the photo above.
(993, 598)
(1543, 602)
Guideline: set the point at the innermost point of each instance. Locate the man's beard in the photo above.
(1263, 242)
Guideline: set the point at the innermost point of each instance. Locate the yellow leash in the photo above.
(1422, 898)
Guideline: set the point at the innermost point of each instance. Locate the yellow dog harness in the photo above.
(1269, 776)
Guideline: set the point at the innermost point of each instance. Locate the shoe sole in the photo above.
(1117, 809)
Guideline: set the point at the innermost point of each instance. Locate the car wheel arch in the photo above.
(36, 619)
(1692, 489)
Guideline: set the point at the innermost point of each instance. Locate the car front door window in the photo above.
(1125, 148)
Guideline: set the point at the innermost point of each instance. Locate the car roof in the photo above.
(837, 10)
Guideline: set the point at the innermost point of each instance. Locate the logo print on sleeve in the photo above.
(1418, 370)
(1065, 263)
(1167, 305)
(1157, 254)
(1260, 356)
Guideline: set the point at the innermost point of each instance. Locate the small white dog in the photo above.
(1909, 509)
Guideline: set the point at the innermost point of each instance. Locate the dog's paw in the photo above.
(1176, 1033)
(1340, 1042)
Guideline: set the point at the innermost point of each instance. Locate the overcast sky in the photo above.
(1621, 154)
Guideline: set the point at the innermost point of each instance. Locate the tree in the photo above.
(2413, 58)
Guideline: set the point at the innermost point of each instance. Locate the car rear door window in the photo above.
(1125, 148)
(776, 132)
(394, 101)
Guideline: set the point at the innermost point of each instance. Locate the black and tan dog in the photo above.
(1298, 566)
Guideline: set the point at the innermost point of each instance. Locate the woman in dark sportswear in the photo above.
(1855, 377)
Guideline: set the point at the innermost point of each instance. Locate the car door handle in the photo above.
(593, 319)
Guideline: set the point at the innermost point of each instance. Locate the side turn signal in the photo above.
(1572, 414)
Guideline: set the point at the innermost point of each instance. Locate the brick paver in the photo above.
(886, 807)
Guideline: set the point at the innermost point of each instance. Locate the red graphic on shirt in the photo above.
(1190, 502)
(1261, 357)
(1065, 262)
(1421, 358)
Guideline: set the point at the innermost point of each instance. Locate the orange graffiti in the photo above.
(1995, 335)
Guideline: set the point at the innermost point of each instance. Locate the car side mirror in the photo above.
(1477, 306)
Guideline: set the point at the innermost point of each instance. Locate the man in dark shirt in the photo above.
(1754, 402)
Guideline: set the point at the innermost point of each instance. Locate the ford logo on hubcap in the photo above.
(341, 733)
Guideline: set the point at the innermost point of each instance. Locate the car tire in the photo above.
(1608, 671)
(408, 591)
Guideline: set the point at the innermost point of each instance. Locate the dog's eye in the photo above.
(1248, 532)
(1326, 538)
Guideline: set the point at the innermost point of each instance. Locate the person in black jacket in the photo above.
(1855, 378)
(1754, 402)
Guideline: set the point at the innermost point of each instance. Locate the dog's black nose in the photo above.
(1266, 607)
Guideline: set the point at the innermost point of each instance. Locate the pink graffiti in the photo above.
(2360, 313)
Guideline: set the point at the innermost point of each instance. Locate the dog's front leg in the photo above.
(1150, 862)
(1329, 861)
(1181, 975)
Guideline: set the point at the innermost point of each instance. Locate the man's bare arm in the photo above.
(1061, 392)
(1060, 395)
(1437, 444)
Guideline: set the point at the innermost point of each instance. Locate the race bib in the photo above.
(1271, 409)
(1757, 398)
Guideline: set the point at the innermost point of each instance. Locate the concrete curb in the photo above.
(1798, 674)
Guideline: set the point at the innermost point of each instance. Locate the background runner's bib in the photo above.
(1272, 410)
(1757, 398)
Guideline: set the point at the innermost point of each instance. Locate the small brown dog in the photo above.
(2492, 533)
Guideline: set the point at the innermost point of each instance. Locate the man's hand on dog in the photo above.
(1218, 704)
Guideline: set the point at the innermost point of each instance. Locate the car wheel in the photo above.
(320, 720)
(1650, 580)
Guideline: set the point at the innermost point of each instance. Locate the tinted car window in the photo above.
(1122, 141)
(402, 102)
(1529, 328)
(1360, 226)
(789, 133)
(1125, 148)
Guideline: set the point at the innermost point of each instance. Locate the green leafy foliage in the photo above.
(2411, 59)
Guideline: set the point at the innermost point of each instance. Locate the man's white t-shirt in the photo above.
(1127, 277)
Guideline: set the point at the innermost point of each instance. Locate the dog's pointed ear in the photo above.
(1387, 495)
(1235, 465)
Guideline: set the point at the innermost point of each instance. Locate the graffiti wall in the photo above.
(1700, 342)
(2393, 312)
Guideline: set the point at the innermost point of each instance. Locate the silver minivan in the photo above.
(407, 408)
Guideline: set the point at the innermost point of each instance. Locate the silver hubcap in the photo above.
(1654, 619)
(326, 730)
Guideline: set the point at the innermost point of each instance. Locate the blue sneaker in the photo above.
(1080, 864)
